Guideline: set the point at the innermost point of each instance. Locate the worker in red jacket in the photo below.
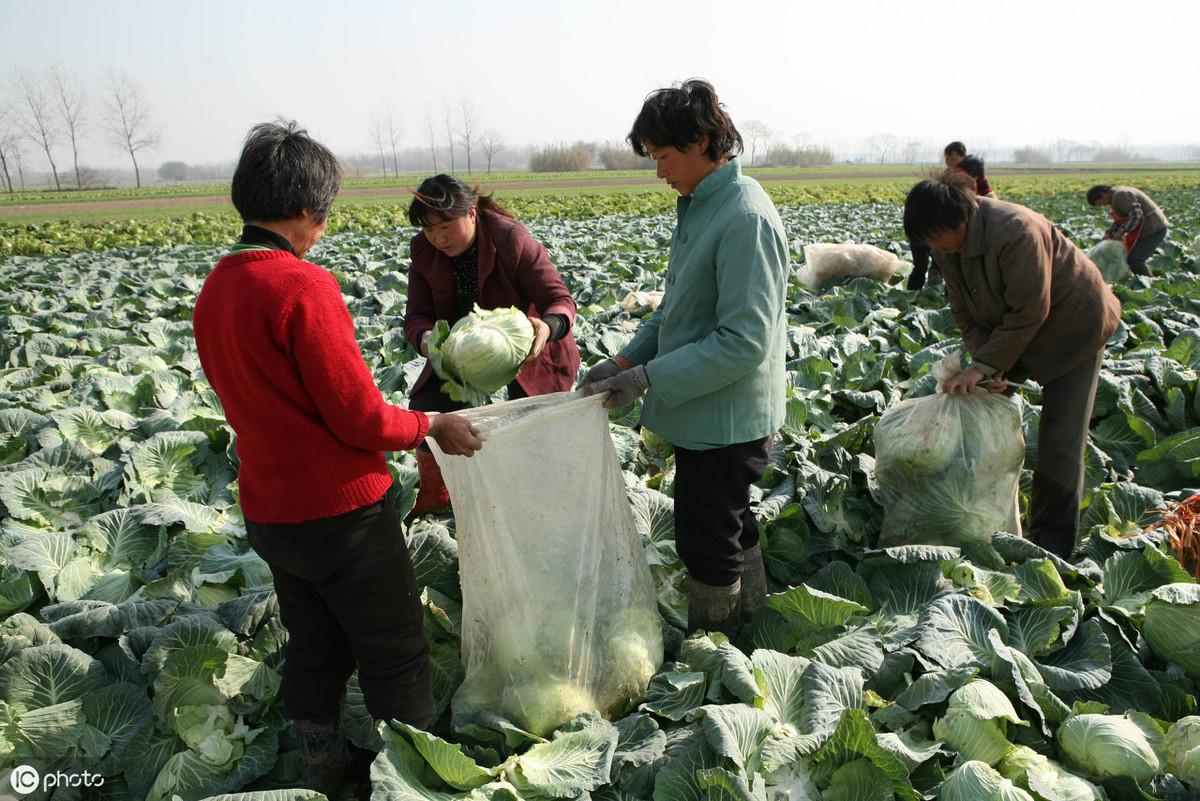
(471, 251)
(277, 344)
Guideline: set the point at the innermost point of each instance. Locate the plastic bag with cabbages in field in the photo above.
(949, 467)
(825, 262)
(559, 615)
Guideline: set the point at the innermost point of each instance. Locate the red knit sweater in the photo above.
(277, 344)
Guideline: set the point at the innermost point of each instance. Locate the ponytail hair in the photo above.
(444, 197)
(683, 115)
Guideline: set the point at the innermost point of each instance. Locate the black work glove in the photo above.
(623, 388)
(602, 371)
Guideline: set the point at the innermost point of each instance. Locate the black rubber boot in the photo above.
(754, 583)
(326, 756)
(714, 608)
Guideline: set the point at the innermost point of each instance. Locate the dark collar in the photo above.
(254, 235)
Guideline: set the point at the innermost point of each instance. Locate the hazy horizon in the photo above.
(537, 72)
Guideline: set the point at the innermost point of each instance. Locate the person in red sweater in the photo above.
(276, 343)
(471, 251)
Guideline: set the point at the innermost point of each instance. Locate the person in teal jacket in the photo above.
(710, 360)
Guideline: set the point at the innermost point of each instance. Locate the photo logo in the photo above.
(24, 779)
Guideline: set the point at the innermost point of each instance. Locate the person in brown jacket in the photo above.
(1137, 221)
(1028, 302)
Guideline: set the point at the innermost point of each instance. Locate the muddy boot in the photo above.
(432, 495)
(754, 583)
(714, 608)
(326, 756)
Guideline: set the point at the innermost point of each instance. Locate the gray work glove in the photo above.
(623, 388)
(602, 371)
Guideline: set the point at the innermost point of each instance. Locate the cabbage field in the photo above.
(140, 639)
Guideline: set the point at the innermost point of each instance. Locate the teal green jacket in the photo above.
(714, 350)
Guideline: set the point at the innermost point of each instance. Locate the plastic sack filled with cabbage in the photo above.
(559, 615)
(823, 262)
(949, 467)
(483, 352)
(1109, 256)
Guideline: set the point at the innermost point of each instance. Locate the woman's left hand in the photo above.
(541, 334)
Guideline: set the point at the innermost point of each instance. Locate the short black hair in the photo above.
(941, 204)
(683, 115)
(955, 147)
(972, 166)
(1096, 192)
(283, 171)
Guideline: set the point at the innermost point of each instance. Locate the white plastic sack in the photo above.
(824, 262)
(1109, 256)
(949, 469)
(559, 614)
(642, 300)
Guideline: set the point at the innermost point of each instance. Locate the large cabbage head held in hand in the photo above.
(481, 353)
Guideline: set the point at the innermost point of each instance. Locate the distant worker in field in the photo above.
(710, 359)
(957, 160)
(1028, 303)
(277, 344)
(1137, 221)
(471, 251)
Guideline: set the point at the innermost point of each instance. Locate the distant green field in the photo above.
(45, 228)
(405, 181)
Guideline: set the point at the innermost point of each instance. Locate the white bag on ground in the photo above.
(824, 262)
(559, 611)
(1109, 256)
(949, 468)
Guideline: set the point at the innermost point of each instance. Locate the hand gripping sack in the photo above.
(949, 469)
(559, 613)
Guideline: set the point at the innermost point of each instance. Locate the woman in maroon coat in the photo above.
(470, 250)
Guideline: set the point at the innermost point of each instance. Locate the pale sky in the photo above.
(997, 74)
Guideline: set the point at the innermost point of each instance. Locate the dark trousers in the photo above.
(922, 264)
(347, 596)
(1062, 437)
(1143, 249)
(713, 522)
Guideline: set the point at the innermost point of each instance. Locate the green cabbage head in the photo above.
(481, 353)
(1172, 625)
(1183, 750)
(544, 703)
(1104, 746)
(978, 781)
(974, 723)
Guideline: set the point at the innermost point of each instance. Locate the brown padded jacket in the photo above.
(1025, 298)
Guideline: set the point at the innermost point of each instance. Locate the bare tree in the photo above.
(449, 123)
(379, 137)
(38, 120)
(18, 157)
(7, 148)
(128, 119)
(393, 134)
(1194, 151)
(882, 144)
(470, 122)
(911, 148)
(71, 106)
(490, 144)
(8, 144)
(432, 137)
(758, 131)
